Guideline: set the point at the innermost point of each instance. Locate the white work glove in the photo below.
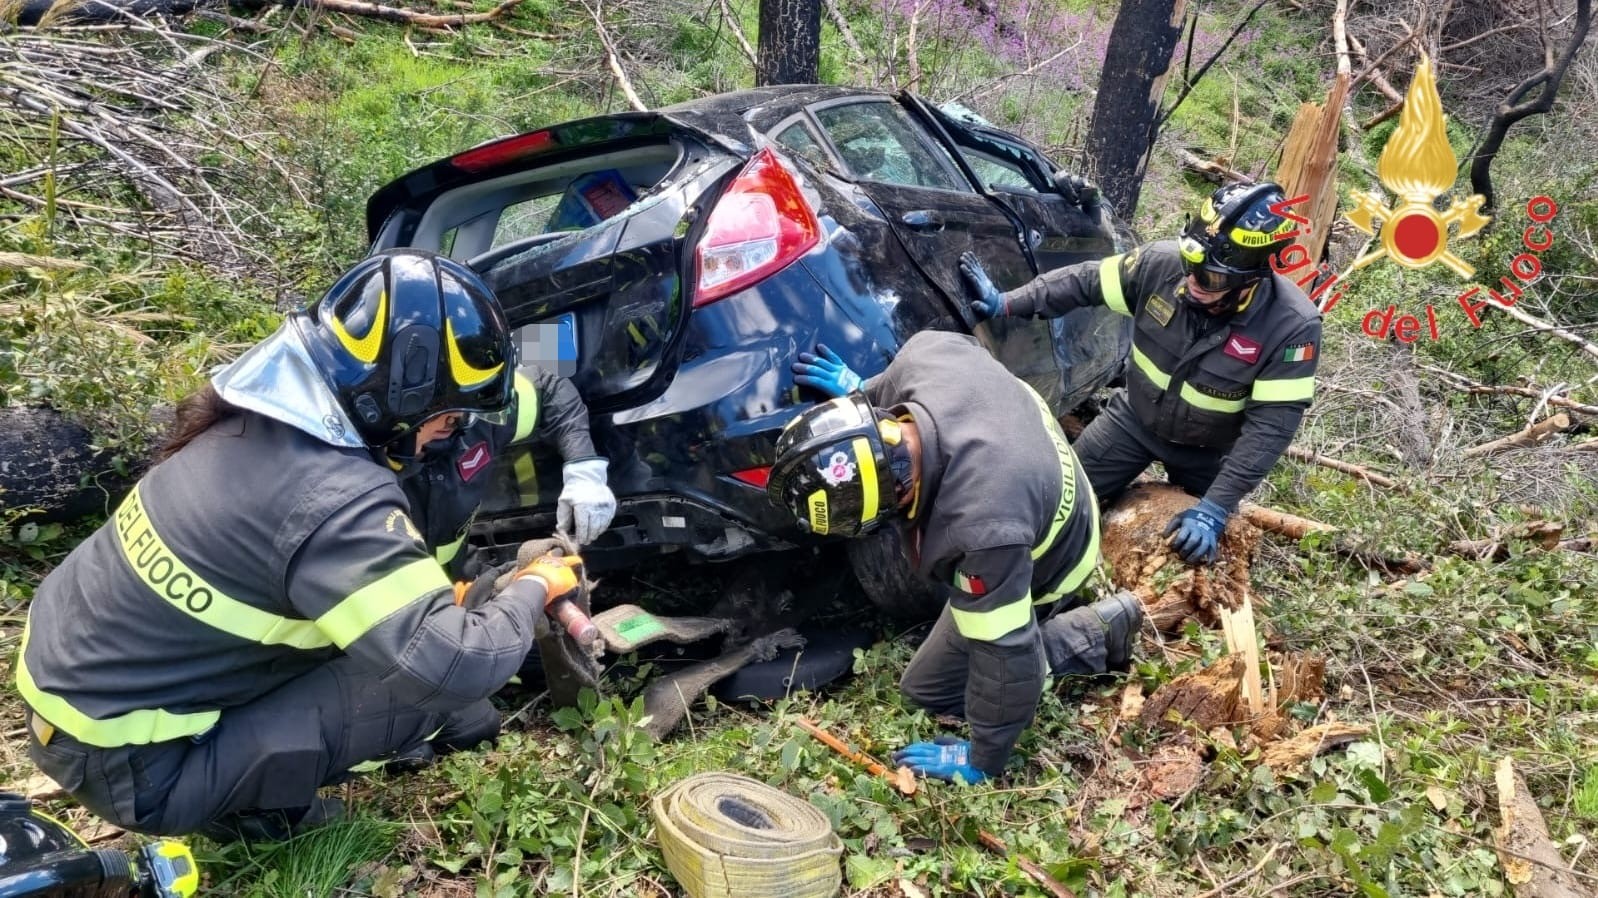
(586, 502)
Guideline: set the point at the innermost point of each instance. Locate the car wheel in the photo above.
(884, 572)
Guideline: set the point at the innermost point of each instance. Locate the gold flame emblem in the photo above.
(1418, 164)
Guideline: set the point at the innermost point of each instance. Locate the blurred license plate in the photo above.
(552, 345)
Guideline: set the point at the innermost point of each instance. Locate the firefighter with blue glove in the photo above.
(1223, 356)
(970, 466)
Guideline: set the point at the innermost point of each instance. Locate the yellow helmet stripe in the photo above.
(868, 479)
(460, 369)
(365, 348)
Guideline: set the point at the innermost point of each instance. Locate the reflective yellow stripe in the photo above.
(1297, 389)
(1193, 397)
(1085, 566)
(986, 626)
(526, 477)
(130, 728)
(368, 606)
(445, 554)
(1090, 556)
(868, 479)
(1062, 450)
(460, 369)
(182, 588)
(526, 408)
(1149, 369)
(1110, 284)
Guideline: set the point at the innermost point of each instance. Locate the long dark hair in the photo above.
(195, 414)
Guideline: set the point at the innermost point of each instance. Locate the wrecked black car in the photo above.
(673, 263)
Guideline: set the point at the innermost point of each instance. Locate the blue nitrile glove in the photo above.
(1198, 530)
(943, 758)
(986, 301)
(825, 372)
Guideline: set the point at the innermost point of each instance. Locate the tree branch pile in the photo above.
(138, 116)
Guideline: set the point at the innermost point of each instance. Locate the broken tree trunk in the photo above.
(1207, 699)
(1309, 156)
(1141, 560)
(1532, 435)
(1531, 863)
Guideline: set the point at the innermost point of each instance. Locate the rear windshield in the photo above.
(540, 204)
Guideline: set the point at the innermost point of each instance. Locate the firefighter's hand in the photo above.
(1198, 532)
(586, 503)
(482, 588)
(945, 758)
(986, 300)
(825, 372)
(558, 572)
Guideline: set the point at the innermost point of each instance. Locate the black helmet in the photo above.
(1229, 244)
(839, 467)
(405, 335)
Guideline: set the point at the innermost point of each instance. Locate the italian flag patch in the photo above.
(970, 584)
(1303, 352)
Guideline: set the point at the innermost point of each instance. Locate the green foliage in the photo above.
(321, 861)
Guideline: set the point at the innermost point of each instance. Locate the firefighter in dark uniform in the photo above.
(992, 506)
(1223, 356)
(262, 613)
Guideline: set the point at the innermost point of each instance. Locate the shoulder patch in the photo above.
(399, 520)
(473, 461)
(1160, 309)
(970, 584)
(1299, 352)
(1242, 348)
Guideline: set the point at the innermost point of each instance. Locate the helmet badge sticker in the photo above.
(838, 469)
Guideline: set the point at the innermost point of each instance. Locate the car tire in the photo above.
(889, 581)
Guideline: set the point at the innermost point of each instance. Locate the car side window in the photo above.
(879, 142)
(798, 139)
(993, 171)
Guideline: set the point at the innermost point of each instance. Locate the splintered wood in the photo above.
(1532, 864)
(1140, 560)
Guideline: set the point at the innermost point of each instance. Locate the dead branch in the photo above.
(989, 87)
(1348, 468)
(1530, 861)
(613, 58)
(912, 56)
(1464, 383)
(1373, 72)
(738, 32)
(1294, 527)
(1209, 169)
(841, 22)
(1382, 116)
(1532, 435)
(403, 16)
(1516, 106)
(1538, 324)
(1187, 86)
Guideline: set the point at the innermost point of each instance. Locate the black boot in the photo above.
(275, 825)
(1093, 639)
(468, 728)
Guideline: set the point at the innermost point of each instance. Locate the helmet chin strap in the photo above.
(1228, 304)
(405, 457)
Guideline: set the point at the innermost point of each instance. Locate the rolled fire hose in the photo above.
(725, 835)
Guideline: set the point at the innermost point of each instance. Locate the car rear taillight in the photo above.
(760, 225)
(755, 477)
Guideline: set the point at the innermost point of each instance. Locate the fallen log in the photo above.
(1470, 386)
(1349, 468)
(1206, 699)
(49, 464)
(1209, 169)
(1531, 863)
(1531, 436)
(1294, 527)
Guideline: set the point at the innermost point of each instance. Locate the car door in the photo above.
(1090, 344)
(937, 214)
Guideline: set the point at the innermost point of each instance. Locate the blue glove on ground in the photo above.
(1198, 531)
(986, 300)
(944, 758)
(825, 372)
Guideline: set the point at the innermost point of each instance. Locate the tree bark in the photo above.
(1531, 436)
(1516, 107)
(1121, 138)
(790, 42)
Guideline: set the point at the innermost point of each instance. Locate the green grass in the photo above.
(318, 862)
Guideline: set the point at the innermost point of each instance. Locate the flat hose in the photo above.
(725, 836)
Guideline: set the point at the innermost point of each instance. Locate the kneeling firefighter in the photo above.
(991, 506)
(262, 613)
